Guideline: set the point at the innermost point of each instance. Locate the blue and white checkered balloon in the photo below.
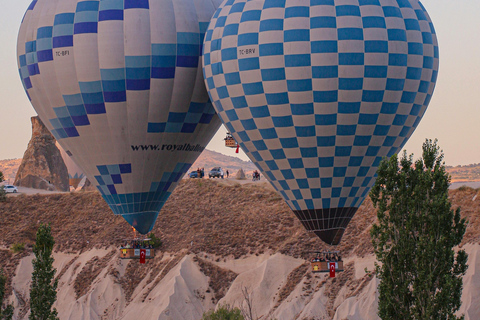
(317, 92)
(119, 84)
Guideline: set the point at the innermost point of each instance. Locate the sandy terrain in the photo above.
(183, 291)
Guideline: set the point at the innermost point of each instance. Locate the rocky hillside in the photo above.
(219, 238)
(9, 169)
(469, 172)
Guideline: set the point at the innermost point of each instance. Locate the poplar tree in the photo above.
(43, 290)
(420, 273)
(7, 312)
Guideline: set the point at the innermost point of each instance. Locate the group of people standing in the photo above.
(201, 172)
(136, 244)
(327, 256)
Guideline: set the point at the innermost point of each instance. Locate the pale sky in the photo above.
(453, 116)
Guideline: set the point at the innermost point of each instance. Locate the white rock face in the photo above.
(183, 293)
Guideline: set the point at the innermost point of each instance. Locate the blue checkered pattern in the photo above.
(119, 81)
(24, 75)
(63, 28)
(44, 44)
(127, 203)
(86, 17)
(318, 92)
(114, 83)
(110, 175)
(186, 122)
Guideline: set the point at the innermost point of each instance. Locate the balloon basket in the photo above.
(322, 260)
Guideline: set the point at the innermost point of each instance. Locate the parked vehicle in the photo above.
(193, 174)
(10, 189)
(216, 172)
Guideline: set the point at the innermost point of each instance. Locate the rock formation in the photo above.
(42, 165)
(240, 175)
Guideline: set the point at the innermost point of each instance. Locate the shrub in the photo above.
(18, 247)
(465, 188)
(154, 241)
(224, 312)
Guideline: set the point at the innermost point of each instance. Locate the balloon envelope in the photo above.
(119, 85)
(317, 92)
(75, 173)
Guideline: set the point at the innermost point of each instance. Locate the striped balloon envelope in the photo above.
(75, 173)
(119, 84)
(317, 92)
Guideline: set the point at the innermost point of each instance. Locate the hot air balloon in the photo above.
(119, 84)
(75, 173)
(317, 92)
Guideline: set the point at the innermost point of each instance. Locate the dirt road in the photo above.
(28, 191)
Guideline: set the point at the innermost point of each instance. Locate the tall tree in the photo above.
(7, 312)
(420, 273)
(43, 290)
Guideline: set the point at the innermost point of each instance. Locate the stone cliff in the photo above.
(42, 166)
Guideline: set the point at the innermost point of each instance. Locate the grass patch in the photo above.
(465, 188)
(18, 247)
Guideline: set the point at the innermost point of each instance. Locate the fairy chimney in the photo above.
(42, 165)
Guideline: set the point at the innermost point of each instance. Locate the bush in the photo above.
(224, 312)
(154, 241)
(465, 188)
(18, 247)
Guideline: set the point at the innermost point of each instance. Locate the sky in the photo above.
(453, 116)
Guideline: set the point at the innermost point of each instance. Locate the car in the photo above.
(193, 174)
(216, 172)
(10, 189)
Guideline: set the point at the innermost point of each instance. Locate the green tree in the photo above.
(43, 290)
(154, 241)
(7, 312)
(420, 274)
(224, 312)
